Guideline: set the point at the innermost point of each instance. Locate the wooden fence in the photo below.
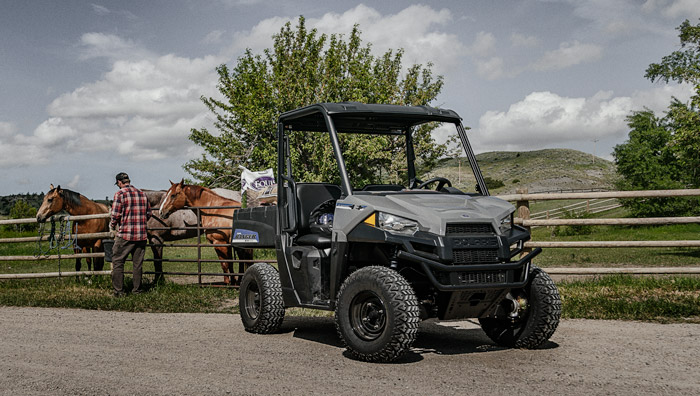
(199, 260)
(522, 200)
(58, 256)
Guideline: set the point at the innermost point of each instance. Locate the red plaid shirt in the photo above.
(131, 212)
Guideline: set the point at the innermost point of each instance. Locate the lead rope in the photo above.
(64, 239)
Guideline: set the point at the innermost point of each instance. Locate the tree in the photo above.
(683, 119)
(664, 152)
(22, 210)
(304, 67)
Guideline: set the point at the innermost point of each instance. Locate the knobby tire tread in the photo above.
(404, 304)
(272, 305)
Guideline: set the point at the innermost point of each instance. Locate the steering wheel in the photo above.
(442, 181)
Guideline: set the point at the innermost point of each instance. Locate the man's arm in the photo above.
(116, 215)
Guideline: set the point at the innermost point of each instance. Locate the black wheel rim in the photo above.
(252, 301)
(368, 316)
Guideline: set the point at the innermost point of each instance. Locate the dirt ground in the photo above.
(78, 352)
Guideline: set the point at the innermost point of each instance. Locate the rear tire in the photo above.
(261, 304)
(377, 314)
(537, 324)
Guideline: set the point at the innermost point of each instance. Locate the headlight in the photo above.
(396, 224)
(506, 224)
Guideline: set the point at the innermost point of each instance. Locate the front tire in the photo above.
(538, 322)
(377, 314)
(260, 299)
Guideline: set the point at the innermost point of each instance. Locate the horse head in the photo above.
(53, 203)
(175, 199)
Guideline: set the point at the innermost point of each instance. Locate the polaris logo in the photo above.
(245, 236)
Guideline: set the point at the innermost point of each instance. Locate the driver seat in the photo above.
(309, 196)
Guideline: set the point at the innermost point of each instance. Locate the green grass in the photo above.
(96, 293)
(624, 297)
(622, 257)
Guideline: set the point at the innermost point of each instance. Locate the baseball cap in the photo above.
(122, 177)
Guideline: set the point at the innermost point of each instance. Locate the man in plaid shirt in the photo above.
(130, 213)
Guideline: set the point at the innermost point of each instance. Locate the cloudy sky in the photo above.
(91, 88)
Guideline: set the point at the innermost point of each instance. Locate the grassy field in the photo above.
(621, 257)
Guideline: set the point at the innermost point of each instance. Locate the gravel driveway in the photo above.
(69, 351)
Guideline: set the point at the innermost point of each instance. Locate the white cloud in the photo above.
(74, 183)
(144, 106)
(100, 10)
(213, 37)
(673, 8)
(416, 29)
(143, 109)
(7, 129)
(491, 68)
(521, 40)
(545, 119)
(104, 11)
(110, 46)
(483, 44)
(567, 55)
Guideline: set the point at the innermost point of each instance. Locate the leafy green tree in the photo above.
(22, 210)
(647, 161)
(683, 66)
(664, 152)
(304, 67)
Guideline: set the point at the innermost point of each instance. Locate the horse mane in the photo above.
(73, 199)
(71, 196)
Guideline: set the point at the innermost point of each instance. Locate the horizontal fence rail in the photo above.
(522, 200)
(602, 194)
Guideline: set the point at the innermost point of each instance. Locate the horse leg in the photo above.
(78, 264)
(224, 253)
(99, 261)
(157, 249)
(243, 254)
(88, 260)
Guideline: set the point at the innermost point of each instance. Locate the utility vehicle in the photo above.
(395, 253)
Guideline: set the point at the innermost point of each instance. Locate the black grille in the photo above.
(467, 228)
(479, 278)
(482, 277)
(475, 256)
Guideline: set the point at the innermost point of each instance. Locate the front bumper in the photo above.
(509, 275)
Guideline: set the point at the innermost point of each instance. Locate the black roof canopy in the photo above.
(364, 118)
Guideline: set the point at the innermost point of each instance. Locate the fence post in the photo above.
(522, 209)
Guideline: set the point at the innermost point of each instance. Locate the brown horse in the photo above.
(58, 199)
(216, 221)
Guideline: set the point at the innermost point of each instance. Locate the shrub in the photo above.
(493, 183)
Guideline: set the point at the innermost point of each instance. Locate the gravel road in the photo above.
(78, 352)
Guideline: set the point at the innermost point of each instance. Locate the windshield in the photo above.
(380, 163)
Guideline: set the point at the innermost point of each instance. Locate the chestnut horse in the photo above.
(179, 225)
(217, 222)
(58, 199)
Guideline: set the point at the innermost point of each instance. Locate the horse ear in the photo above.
(182, 182)
(171, 182)
(58, 189)
(51, 187)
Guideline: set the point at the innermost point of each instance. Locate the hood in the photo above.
(434, 210)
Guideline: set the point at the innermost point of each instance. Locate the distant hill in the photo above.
(539, 171)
